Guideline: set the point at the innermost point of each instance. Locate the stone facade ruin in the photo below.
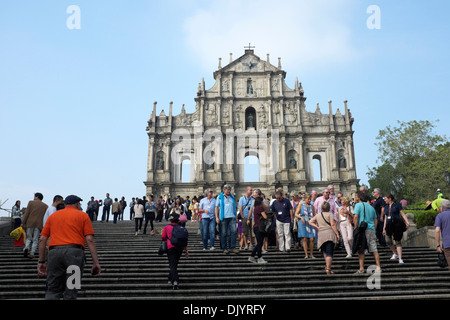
(250, 111)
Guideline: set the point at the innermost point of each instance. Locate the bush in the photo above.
(423, 218)
(417, 205)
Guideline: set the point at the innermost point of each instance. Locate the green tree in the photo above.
(413, 161)
(408, 141)
(424, 175)
(382, 177)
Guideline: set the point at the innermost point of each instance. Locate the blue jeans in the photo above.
(32, 238)
(208, 230)
(228, 233)
(105, 214)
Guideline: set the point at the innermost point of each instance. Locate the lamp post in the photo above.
(447, 178)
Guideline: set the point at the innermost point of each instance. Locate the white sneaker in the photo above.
(348, 256)
(212, 248)
(252, 259)
(394, 257)
(261, 260)
(400, 261)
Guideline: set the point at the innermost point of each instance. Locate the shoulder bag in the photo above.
(162, 248)
(325, 219)
(363, 225)
(442, 261)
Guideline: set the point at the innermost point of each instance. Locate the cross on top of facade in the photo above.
(249, 47)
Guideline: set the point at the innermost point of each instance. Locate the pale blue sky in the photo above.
(74, 103)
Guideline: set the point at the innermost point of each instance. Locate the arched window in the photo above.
(185, 174)
(250, 118)
(251, 168)
(317, 168)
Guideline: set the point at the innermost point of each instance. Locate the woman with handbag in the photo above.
(327, 235)
(394, 226)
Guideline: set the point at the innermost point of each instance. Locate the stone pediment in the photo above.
(248, 63)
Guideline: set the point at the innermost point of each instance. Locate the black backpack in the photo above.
(179, 236)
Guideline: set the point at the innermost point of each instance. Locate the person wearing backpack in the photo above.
(177, 239)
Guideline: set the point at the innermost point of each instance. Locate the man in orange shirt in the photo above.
(68, 229)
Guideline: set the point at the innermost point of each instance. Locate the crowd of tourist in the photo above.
(325, 220)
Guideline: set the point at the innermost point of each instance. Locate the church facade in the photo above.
(250, 111)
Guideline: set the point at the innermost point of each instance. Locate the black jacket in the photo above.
(396, 228)
(359, 241)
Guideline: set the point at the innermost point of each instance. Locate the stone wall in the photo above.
(414, 237)
(6, 225)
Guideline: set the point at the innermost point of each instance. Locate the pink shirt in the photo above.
(167, 234)
(318, 206)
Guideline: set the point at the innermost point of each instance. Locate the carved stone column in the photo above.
(301, 159)
(283, 162)
(150, 160)
(167, 165)
(198, 154)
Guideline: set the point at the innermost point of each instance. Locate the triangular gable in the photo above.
(249, 62)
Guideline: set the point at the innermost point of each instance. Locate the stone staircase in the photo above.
(132, 270)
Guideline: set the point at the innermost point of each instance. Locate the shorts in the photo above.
(390, 241)
(328, 248)
(247, 228)
(371, 240)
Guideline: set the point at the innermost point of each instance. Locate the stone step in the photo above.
(132, 269)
